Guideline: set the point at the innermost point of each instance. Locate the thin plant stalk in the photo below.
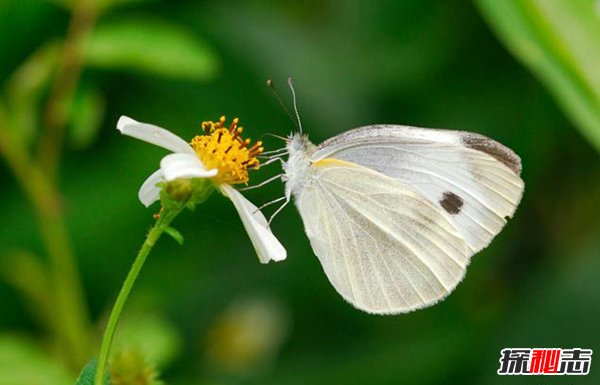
(70, 322)
(70, 67)
(163, 222)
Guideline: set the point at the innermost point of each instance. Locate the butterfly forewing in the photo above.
(472, 179)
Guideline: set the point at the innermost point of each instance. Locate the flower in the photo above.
(219, 155)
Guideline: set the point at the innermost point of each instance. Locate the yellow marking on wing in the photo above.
(330, 162)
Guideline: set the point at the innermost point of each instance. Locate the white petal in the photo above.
(266, 245)
(176, 166)
(153, 134)
(149, 192)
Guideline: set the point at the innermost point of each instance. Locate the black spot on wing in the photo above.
(494, 149)
(451, 202)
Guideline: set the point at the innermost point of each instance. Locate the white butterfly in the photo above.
(394, 213)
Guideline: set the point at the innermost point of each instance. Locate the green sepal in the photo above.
(175, 234)
(184, 192)
(202, 189)
(191, 206)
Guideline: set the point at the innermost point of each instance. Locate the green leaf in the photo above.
(22, 361)
(102, 5)
(86, 377)
(66, 4)
(26, 86)
(175, 234)
(86, 117)
(105, 5)
(29, 276)
(560, 42)
(151, 47)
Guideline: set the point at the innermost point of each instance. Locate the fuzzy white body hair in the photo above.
(300, 151)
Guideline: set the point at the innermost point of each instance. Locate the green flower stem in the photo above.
(166, 217)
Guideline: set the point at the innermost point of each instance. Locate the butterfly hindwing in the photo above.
(384, 247)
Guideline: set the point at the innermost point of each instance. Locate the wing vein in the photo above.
(409, 246)
(381, 257)
(399, 213)
(350, 281)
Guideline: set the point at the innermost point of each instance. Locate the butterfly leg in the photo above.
(271, 160)
(278, 176)
(280, 151)
(287, 200)
(269, 204)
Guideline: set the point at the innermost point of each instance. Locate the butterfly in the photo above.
(395, 213)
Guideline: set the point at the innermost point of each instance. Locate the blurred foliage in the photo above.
(26, 273)
(150, 46)
(86, 117)
(560, 42)
(246, 336)
(22, 362)
(27, 84)
(152, 334)
(432, 64)
(102, 5)
(129, 368)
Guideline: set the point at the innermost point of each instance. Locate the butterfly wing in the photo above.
(384, 247)
(473, 179)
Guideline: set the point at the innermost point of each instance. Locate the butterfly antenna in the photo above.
(291, 84)
(274, 136)
(271, 85)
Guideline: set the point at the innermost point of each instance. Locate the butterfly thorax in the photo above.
(300, 150)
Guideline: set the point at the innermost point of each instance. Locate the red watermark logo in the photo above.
(543, 361)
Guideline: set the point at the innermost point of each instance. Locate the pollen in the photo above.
(222, 147)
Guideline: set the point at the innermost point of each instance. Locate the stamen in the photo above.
(245, 143)
(255, 151)
(255, 146)
(233, 125)
(237, 133)
(222, 147)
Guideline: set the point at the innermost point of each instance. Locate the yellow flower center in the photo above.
(222, 148)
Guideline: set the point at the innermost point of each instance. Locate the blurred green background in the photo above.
(526, 73)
